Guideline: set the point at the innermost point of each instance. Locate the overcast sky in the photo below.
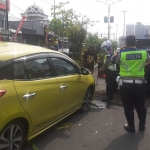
(137, 11)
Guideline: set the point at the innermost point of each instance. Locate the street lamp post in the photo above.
(116, 31)
(124, 23)
(109, 6)
(109, 22)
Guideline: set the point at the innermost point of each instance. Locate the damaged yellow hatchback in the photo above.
(38, 88)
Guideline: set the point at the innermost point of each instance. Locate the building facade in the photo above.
(141, 32)
(3, 18)
(33, 28)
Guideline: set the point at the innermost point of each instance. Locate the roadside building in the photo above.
(33, 28)
(141, 32)
(3, 16)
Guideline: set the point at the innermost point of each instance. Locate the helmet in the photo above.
(106, 44)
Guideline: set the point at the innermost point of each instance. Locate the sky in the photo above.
(136, 11)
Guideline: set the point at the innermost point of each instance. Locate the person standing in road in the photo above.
(89, 59)
(109, 70)
(132, 84)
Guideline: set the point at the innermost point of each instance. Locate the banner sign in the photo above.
(3, 4)
(19, 27)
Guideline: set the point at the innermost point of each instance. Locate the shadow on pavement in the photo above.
(127, 141)
(52, 133)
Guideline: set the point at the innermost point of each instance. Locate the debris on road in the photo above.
(93, 104)
(32, 145)
(65, 126)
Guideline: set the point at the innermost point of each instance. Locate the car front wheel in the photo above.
(87, 100)
(12, 136)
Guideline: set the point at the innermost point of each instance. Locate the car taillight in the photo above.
(2, 92)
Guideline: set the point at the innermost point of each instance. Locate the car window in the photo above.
(6, 70)
(38, 69)
(64, 67)
(20, 72)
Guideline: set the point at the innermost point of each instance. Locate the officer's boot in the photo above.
(109, 96)
(142, 119)
(104, 98)
(130, 119)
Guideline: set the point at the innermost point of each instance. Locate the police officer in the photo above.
(109, 69)
(132, 86)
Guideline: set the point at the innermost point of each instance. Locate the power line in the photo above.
(20, 19)
(26, 21)
(17, 7)
(47, 2)
(14, 16)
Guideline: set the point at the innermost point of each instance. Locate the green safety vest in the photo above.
(110, 66)
(105, 61)
(132, 63)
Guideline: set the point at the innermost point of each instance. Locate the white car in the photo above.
(64, 50)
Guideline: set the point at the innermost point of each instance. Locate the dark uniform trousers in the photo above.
(133, 96)
(110, 80)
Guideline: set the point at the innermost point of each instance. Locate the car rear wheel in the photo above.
(12, 136)
(87, 100)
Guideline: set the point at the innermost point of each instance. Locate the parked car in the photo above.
(64, 50)
(38, 88)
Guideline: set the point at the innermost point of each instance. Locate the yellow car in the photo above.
(38, 88)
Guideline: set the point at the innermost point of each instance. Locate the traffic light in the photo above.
(106, 19)
(111, 19)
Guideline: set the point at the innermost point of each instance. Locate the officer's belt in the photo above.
(132, 81)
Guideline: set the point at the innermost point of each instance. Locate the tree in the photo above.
(62, 20)
(93, 39)
(114, 45)
(71, 25)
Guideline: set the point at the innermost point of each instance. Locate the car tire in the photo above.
(12, 136)
(87, 100)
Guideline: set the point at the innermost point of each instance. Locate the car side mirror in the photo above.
(84, 71)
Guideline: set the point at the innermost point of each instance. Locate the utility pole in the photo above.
(109, 3)
(109, 22)
(6, 14)
(54, 8)
(124, 23)
(62, 44)
(7, 26)
(116, 31)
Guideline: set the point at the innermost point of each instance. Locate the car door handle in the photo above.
(63, 87)
(29, 95)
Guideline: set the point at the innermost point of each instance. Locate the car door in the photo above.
(72, 85)
(37, 89)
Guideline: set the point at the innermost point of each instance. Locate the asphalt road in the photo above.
(99, 129)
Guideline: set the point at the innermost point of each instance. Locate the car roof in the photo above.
(10, 50)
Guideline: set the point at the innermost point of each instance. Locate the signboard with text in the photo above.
(3, 4)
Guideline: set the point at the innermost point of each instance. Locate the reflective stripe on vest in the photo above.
(132, 63)
(111, 66)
